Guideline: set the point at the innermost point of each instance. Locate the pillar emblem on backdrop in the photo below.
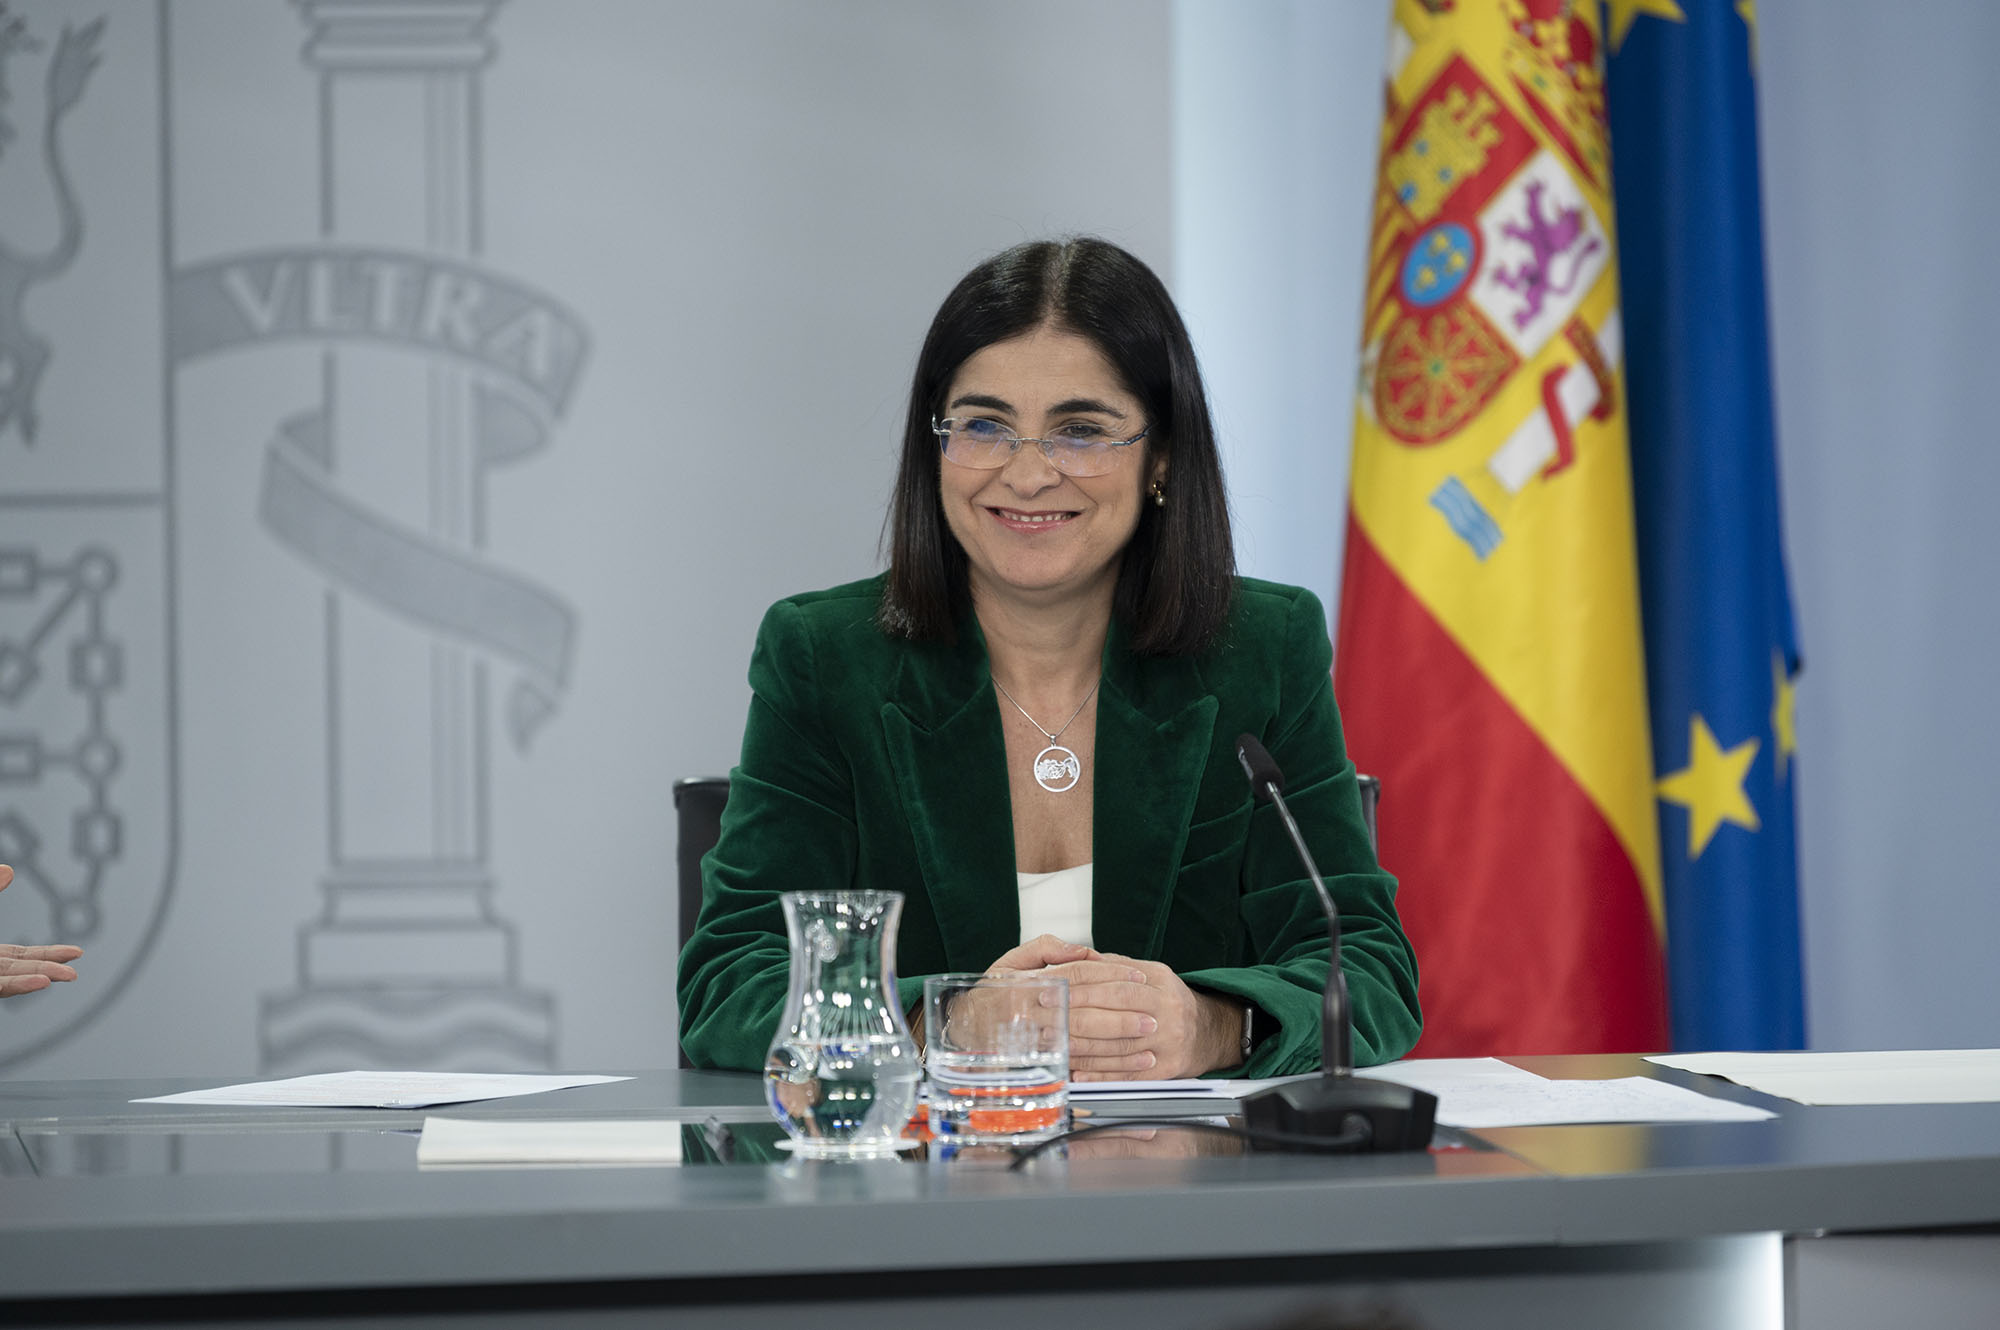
(86, 574)
(432, 370)
(435, 369)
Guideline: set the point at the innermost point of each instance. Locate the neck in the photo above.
(1046, 654)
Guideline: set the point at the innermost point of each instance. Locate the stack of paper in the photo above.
(466, 1141)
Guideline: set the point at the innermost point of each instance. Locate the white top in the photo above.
(1057, 903)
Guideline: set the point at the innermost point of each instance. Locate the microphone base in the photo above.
(1398, 1117)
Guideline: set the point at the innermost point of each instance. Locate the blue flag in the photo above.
(1721, 654)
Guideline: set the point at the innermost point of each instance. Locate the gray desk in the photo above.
(116, 1213)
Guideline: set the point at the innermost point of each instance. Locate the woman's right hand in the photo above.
(1104, 1044)
(28, 969)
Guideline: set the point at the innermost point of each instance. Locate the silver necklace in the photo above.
(1057, 769)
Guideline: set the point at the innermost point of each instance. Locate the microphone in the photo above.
(1347, 1112)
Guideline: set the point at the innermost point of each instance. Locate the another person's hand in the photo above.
(27, 969)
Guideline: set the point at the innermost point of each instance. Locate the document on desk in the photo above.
(1892, 1076)
(463, 1141)
(1478, 1092)
(378, 1089)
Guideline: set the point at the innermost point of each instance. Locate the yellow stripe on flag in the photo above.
(1490, 459)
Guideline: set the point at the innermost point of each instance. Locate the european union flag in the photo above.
(1721, 653)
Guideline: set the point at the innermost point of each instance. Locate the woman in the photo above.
(1027, 725)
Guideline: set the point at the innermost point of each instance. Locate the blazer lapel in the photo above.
(942, 731)
(1155, 730)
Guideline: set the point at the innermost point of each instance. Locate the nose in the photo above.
(1029, 471)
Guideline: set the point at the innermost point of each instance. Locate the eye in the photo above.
(1081, 433)
(980, 429)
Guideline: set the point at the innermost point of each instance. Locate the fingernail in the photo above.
(1147, 1025)
(1136, 976)
(1148, 1059)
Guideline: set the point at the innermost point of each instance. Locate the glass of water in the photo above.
(996, 1055)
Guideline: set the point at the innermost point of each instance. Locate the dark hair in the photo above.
(1178, 570)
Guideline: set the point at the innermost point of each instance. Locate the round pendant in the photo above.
(1057, 769)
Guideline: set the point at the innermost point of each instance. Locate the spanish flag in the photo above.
(1491, 666)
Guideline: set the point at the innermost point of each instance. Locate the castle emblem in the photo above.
(24, 355)
(88, 720)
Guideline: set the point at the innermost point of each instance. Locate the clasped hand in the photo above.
(1131, 1019)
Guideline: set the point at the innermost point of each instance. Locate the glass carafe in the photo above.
(842, 1074)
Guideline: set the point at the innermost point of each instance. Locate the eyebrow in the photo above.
(1067, 406)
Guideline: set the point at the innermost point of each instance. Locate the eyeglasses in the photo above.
(1079, 449)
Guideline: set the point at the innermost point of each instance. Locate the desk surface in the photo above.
(108, 1198)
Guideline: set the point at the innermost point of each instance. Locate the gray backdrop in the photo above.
(435, 397)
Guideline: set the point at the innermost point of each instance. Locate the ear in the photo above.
(1156, 470)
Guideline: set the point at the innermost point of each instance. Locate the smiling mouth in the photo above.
(1018, 520)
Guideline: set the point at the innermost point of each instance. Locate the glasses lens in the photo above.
(985, 444)
(979, 443)
(1082, 457)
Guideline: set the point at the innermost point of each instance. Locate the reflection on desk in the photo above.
(117, 1213)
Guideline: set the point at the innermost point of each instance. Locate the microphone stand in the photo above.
(1348, 1112)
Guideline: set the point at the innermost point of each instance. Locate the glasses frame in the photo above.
(1051, 448)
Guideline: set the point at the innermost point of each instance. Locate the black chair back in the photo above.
(698, 802)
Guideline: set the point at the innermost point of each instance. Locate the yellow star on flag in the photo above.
(1623, 12)
(1710, 787)
(1784, 712)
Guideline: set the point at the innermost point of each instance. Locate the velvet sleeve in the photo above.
(789, 826)
(1280, 911)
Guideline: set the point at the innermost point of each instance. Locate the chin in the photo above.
(1043, 581)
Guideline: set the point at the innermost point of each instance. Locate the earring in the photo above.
(1159, 495)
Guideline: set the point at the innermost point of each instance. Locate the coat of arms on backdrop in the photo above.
(431, 370)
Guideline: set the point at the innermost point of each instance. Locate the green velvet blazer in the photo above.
(870, 761)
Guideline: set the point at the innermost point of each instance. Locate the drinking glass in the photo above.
(996, 1053)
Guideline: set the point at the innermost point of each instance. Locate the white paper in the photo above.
(523, 1141)
(1447, 1078)
(1476, 1093)
(1896, 1076)
(1547, 1103)
(379, 1089)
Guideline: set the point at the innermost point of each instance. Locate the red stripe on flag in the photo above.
(1527, 915)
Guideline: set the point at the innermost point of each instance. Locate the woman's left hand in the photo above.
(1185, 1033)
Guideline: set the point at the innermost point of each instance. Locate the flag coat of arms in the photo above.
(1491, 666)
